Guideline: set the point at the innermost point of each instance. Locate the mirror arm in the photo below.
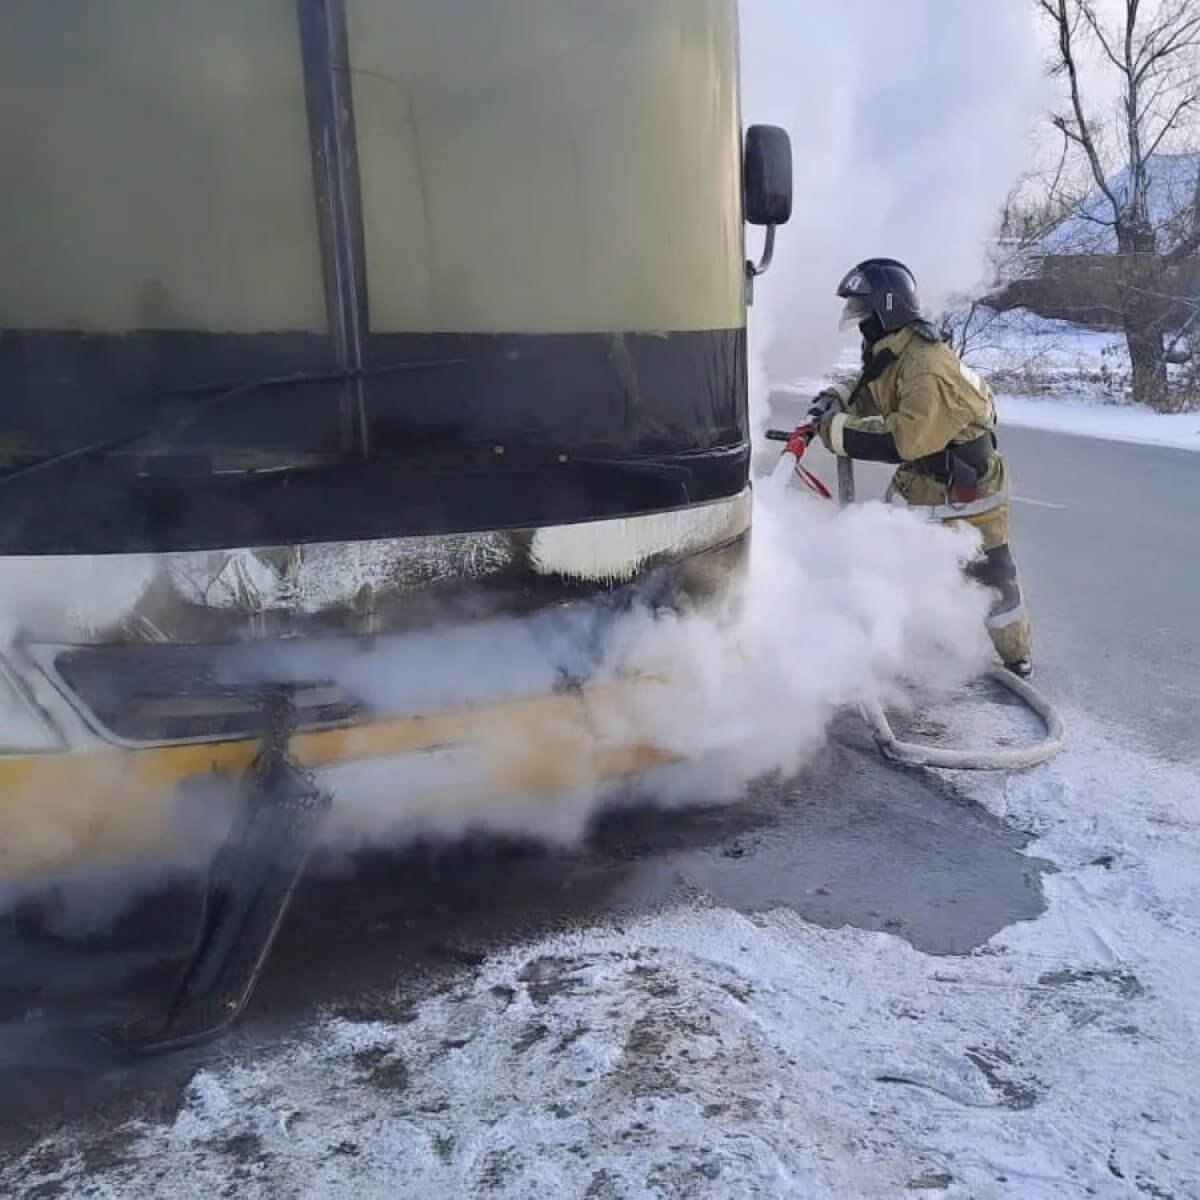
(768, 255)
(753, 270)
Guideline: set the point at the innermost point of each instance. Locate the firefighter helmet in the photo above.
(883, 289)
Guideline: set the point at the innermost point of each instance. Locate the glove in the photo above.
(831, 400)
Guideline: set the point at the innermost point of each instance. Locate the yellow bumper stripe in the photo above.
(109, 805)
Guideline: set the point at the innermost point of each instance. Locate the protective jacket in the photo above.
(917, 405)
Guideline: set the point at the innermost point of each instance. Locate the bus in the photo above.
(362, 361)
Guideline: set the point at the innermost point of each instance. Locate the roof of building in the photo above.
(1174, 204)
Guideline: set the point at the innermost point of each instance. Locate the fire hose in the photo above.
(916, 754)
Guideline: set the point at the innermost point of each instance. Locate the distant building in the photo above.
(1073, 271)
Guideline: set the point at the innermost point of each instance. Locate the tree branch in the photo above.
(1063, 125)
(1081, 134)
(1185, 36)
(1170, 123)
(1089, 15)
(1139, 179)
(1103, 222)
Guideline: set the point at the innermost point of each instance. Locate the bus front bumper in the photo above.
(103, 809)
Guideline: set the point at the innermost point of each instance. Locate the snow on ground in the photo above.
(1115, 423)
(1057, 354)
(704, 1053)
(1078, 377)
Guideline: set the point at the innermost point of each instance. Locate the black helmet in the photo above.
(883, 289)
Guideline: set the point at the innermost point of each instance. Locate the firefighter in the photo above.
(917, 405)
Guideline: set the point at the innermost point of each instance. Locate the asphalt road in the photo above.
(1108, 540)
(1106, 537)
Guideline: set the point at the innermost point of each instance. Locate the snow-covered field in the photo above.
(1079, 376)
(699, 1052)
(1059, 356)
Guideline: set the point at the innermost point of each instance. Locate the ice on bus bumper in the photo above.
(614, 551)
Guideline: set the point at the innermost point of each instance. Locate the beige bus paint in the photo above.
(614, 551)
(566, 166)
(547, 166)
(157, 169)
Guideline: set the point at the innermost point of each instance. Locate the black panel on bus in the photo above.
(174, 441)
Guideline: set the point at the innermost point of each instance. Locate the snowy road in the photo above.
(857, 983)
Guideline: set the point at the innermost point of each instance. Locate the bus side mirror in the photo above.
(767, 190)
(768, 175)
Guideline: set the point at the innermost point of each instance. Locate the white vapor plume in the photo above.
(910, 122)
(839, 607)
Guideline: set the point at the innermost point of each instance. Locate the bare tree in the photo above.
(1155, 48)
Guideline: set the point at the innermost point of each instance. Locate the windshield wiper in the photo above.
(221, 395)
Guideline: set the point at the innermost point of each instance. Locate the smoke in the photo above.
(839, 607)
(89, 593)
(909, 124)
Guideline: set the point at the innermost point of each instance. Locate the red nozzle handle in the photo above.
(804, 433)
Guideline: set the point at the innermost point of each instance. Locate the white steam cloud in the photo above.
(910, 122)
(840, 607)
